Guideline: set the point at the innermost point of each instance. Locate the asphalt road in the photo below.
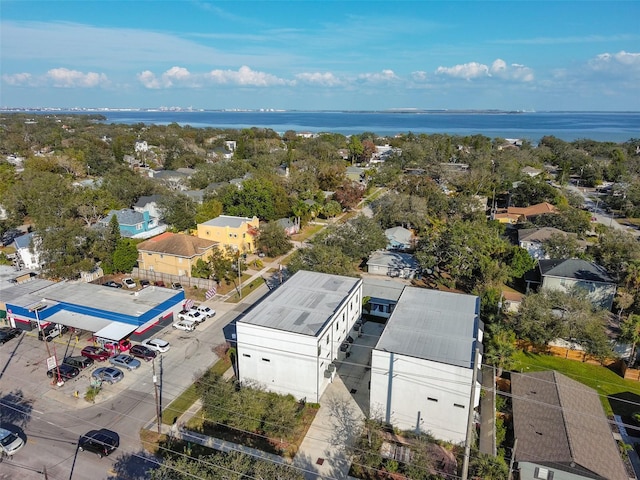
(51, 419)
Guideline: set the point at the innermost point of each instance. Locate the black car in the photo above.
(143, 352)
(66, 372)
(144, 283)
(79, 361)
(101, 442)
(112, 284)
(7, 333)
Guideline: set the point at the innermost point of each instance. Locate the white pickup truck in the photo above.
(204, 310)
(192, 315)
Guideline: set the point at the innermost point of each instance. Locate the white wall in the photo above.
(424, 395)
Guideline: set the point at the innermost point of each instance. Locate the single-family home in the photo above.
(290, 227)
(562, 430)
(533, 239)
(149, 203)
(399, 238)
(134, 224)
(422, 366)
(393, 264)
(561, 274)
(530, 171)
(28, 251)
(288, 342)
(520, 214)
(237, 233)
(173, 253)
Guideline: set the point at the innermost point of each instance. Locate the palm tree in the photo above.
(500, 347)
(630, 332)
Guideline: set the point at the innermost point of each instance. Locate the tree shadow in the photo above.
(134, 466)
(15, 409)
(626, 404)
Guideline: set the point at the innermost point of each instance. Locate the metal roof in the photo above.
(227, 221)
(303, 304)
(379, 288)
(433, 325)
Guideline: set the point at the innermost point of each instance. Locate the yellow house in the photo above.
(237, 233)
(173, 253)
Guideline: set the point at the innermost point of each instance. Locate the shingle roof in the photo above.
(433, 325)
(177, 244)
(399, 234)
(392, 259)
(540, 234)
(146, 199)
(560, 423)
(125, 216)
(23, 241)
(574, 268)
(533, 210)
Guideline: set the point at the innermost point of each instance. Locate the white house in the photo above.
(27, 249)
(287, 342)
(422, 366)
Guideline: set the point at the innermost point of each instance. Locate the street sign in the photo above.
(52, 363)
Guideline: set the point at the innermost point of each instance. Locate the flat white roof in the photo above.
(303, 304)
(115, 331)
(78, 320)
(433, 325)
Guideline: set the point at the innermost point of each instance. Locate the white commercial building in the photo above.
(422, 366)
(287, 343)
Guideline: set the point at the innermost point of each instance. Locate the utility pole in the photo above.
(513, 458)
(470, 422)
(156, 387)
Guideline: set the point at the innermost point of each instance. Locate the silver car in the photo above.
(125, 361)
(10, 443)
(108, 374)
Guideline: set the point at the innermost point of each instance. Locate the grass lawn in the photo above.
(618, 395)
(246, 290)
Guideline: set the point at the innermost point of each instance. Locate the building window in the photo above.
(327, 339)
(541, 473)
(319, 350)
(337, 325)
(246, 355)
(431, 399)
(458, 405)
(266, 360)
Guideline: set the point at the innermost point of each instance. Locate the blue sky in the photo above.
(321, 55)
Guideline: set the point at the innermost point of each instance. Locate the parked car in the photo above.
(10, 443)
(52, 331)
(95, 353)
(191, 315)
(159, 284)
(144, 283)
(117, 347)
(129, 282)
(101, 442)
(176, 286)
(206, 311)
(156, 344)
(125, 361)
(80, 361)
(112, 284)
(8, 333)
(67, 372)
(140, 351)
(185, 325)
(108, 374)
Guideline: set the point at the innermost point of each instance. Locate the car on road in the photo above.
(8, 333)
(95, 353)
(79, 361)
(125, 361)
(140, 351)
(129, 282)
(108, 374)
(67, 372)
(101, 442)
(156, 344)
(112, 284)
(206, 311)
(185, 325)
(10, 443)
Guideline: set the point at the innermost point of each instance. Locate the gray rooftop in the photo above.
(23, 241)
(393, 259)
(560, 423)
(125, 216)
(227, 221)
(381, 288)
(574, 268)
(303, 304)
(433, 325)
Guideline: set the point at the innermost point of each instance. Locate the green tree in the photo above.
(630, 332)
(125, 256)
(561, 245)
(201, 269)
(356, 149)
(520, 262)
(356, 238)
(208, 210)
(257, 197)
(488, 467)
(321, 258)
(500, 347)
(273, 240)
(179, 211)
(331, 209)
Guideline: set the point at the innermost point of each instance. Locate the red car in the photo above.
(95, 353)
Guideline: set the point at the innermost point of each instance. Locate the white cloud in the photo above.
(326, 79)
(616, 62)
(499, 68)
(148, 79)
(378, 77)
(466, 71)
(245, 77)
(419, 76)
(17, 79)
(65, 78)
